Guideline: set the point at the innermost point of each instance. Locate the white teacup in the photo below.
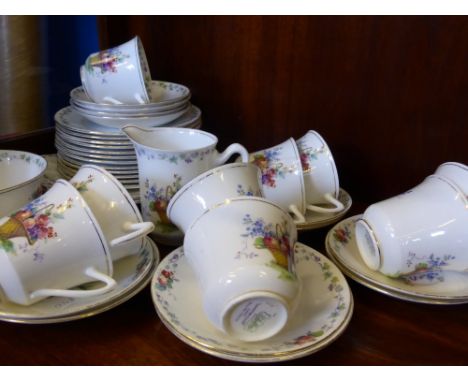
(421, 231)
(242, 253)
(456, 172)
(282, 179)
(118, 75)
(52, 244)
(168, 158)
(211, 188)
(114, 209)
(320, 174)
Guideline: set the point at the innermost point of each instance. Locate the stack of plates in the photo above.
(170, 101)
(80, 141)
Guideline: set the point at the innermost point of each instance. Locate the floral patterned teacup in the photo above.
(118, 75)
(282, 179)
(114, 209)
(320, 174)
(168, 158)
(412, 232)
(213, 187)
(51, 244)
(242, 253)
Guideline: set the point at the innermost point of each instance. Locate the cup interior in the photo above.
(18, 167)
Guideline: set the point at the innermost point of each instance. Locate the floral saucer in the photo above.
(132, 274)
(434, 286)
(316, 220)
(323, 311)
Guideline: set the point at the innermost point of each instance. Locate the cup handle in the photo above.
(298, 216)
(112, 100)
(136, 230)
(232, 149)
(91, 272)
(338, 205)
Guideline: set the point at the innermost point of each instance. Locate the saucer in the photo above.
(132, 274)
(323, 311)
(316, 220)
(440, 287)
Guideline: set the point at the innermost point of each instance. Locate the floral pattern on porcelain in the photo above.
(268, 161)
(9, 155)
(157, 199)
(82, 186)
(166, 298)
(273, 238)
(106, 61)
(173, 88)
(241, 191)
(308, 155)
(166, 277)
(174, 158)
(342, 235)
(35, 223)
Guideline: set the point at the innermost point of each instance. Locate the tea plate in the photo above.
(93, 150)
(323, 311)
(434, 286)
(132, 273)
(316, 220)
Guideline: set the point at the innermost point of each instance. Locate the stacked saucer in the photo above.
(169, 101)
(80, 141)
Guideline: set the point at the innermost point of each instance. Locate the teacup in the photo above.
(118, 75)
(168, 158)
(114, 209)
(51, 244)
(20, 178)
(320, 174)
(418, 233)
(211, 188)
(282, 179)
(242, 254)
(456, 172)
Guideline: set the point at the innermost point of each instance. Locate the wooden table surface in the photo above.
(382, 331)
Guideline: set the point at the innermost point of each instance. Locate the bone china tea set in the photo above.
(239, 285)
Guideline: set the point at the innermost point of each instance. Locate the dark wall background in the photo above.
(389, 94)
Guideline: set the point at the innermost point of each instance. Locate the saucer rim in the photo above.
(99, 306)
(259, 358)
(378, 286)
(326, 221)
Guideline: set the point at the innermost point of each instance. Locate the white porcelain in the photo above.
(51, 244)
(323, 310)
(282, 179)
(144, 121)
(20, 178)
(242, 253)
(168, 158)
(114, 209)
(322, 186)
(315, 221)
(456, 172)
(131, 274)
(75, 122)
(433, 286)
(416, 231)
(119, 75)
(163, 94)
(211, 188)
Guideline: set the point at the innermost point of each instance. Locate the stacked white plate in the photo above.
(80, 141)
(170, 101)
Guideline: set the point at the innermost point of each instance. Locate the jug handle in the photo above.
(136, 230)
(91, 272)
(338, 205)
(234, 148)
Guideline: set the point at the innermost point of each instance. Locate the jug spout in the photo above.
(138, 135)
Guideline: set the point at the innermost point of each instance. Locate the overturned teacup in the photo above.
(119, 75)
(321, 182)
(114, 209)
(211, 188)
(242, 253)
(418, 233)
(50, 245)
(282, 179)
